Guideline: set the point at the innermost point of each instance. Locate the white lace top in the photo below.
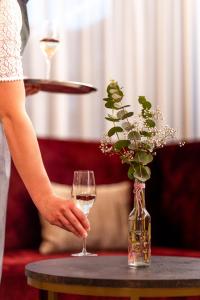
(10, 69)
(10, 41)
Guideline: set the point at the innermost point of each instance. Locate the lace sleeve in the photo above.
(10, 41)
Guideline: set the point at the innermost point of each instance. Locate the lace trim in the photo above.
(11, 79)
(10, 41)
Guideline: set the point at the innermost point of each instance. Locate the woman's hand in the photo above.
(65, 214)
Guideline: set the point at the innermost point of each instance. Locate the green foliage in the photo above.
(110, 103)
(118, 107)
(119, 145)
(114, 130)
(150, 123)
(134, 135)
(112, 119)
(136, 140)
(127, 115)
(127, 126)
(131, 172)
(146, 133)
(143, 157)
(145, 104)
(139, 172)
(142, 173)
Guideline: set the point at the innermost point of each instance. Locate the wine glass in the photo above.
(84, 195)
(49, 43)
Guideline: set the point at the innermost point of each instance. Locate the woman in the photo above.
(17, 135)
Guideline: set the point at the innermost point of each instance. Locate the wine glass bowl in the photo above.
(84, 195)
(49, 46)
(85, 202)
(49, 43)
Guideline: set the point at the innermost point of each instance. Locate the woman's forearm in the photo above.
(26, 155)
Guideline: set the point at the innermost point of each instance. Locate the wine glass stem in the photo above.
(48, 70)
(84, 251)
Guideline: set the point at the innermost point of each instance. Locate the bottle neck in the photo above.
(139, 195)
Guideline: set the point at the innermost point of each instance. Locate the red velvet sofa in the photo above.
(172, 198)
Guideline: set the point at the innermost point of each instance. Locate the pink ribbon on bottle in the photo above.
(138, 187)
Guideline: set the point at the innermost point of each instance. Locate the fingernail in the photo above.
(85, 235)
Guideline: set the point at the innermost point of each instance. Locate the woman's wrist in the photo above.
(42, 195)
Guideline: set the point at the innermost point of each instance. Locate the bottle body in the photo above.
(139, 230)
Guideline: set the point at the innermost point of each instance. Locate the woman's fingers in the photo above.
(81, 217)
(64, 224)
(79, 225)
(67, 216)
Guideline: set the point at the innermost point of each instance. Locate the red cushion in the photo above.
(61, 158)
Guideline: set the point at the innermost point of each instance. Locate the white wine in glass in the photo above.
(49, 43)
(84, 195)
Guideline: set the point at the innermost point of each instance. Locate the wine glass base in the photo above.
(84, 254)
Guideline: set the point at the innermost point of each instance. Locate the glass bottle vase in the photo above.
(139, 230)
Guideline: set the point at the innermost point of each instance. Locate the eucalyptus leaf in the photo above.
(117, 92)
(125, 160)
(118, 106)
(146, 146)
(132, 146)
(150, 123)
(146, 133)
(107, 99)
(114, 130)
(127, 115)
(109, 104)
(142, 173)
(127, 126)
(112, 119)
(112, 85)
(142, 100)
(134, 135)
(147, 105)
(119, 145)
(113, 90)
(117, 97)
(131, 172)
(121, 113)
(124, 114)
(146, 114)
(143, 157)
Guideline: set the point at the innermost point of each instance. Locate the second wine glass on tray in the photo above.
(84, 195)
(49, 43)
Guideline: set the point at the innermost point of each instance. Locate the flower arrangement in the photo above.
(137, 136)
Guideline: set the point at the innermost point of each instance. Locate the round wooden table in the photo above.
(167, 276)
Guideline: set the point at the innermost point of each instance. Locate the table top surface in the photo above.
(53, 86)
(113, 271)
